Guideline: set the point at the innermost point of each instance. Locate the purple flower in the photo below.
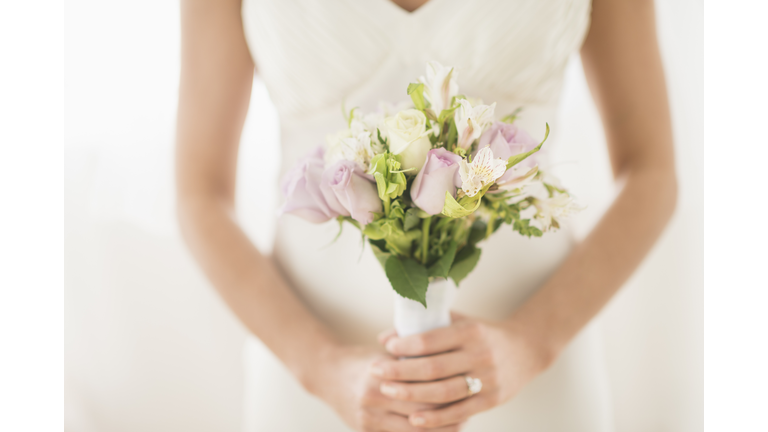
(438, 176)
(507, 140)
(301, 188)
(349, 193)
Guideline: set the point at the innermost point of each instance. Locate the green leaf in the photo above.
(512, 117)
(382, 140)
(465, 262)
(516, 159)
(381, 184)
(445, 113)
(411, 219)
(522, 226)
(408, 278)
(416, 92)
(477, 232)
(441, 267)
(376, 230)
(453, 134)
(453, 209)
(379, 250)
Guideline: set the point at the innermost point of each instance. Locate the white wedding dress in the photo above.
(315, 55)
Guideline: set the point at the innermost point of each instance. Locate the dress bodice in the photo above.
(315, 55)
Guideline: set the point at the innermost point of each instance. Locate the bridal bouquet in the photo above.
(425, 183)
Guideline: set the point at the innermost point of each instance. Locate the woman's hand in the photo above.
(343, 379)
(499, 354)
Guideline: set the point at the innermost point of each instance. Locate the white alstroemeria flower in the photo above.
(549, 210)
(352, 144)
(521, 176)
(439, 86)
(470, 121)
(483, 170)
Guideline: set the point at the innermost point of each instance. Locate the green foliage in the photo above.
(523, 227)
(463, 207)
(442, 266)
(516, 159)
(408, 278)
(416, 92)
(411, 218)
(379, 250)
(477, 232)
(381, 184)
(444, 114)
(465, 261)
(453, 133)
(396, 181)
(390, 181)
(511, 117)
(551, 189)
(382, 140)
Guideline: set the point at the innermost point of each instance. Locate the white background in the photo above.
(146, 351)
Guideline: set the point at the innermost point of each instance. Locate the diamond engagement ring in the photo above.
(474, 385)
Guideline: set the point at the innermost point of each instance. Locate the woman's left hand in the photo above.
(502, 356)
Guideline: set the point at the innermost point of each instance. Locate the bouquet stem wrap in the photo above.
(411, 317)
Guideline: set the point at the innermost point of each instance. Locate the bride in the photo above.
(521, 325)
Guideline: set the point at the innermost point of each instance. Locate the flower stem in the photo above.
(425, 239)
(386, 205)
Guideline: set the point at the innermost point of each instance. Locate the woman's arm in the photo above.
(623, 68)
(216, 77)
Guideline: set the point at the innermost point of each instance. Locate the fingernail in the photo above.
(388, 390)
(417, 421)
(377, 371)
(391, 345)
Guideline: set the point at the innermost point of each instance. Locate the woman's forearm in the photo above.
(623, 68)
(214, 94)
(252, 285)
(599, 265)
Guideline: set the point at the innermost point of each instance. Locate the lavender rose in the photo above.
(301, 188)
(438, 176)
(349, 193)
(506, 140)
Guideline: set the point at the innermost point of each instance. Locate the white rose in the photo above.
(409, 138)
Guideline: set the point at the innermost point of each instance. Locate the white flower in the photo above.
(483, 170)
(439, 86)
(375, 120)
(408, 137)
(519, 176)
(470, 121)
(352, 144)
(549, 210)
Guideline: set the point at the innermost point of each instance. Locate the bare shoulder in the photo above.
(214, 29)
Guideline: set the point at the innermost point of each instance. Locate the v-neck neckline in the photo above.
(406, 11)
(398, 10)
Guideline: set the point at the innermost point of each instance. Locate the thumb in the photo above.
(386, 335)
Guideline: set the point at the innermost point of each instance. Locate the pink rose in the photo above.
(301, 188)
(439, 175)
(349, 193)
(507, 140)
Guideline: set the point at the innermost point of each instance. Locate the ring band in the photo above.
(474, 385)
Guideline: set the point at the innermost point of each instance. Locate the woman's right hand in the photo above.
(342, 378)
